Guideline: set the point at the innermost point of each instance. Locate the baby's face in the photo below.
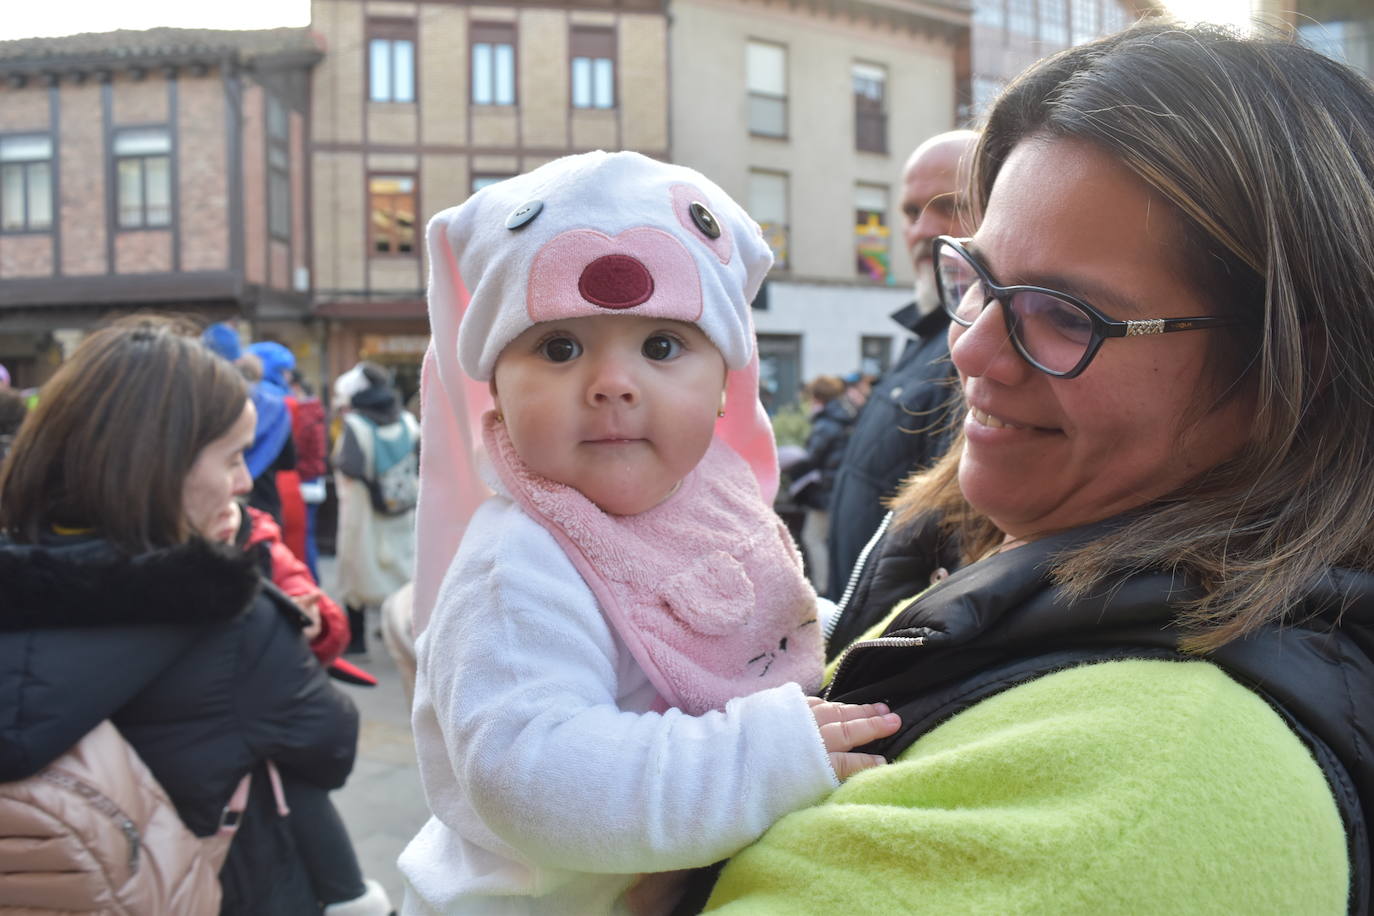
(618, 407)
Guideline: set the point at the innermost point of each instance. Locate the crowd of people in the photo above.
(156, 539)
(1086, 616)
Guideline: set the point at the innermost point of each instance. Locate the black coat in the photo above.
(905, 425)
(830, 430)
(1003, 621)
(206, 676)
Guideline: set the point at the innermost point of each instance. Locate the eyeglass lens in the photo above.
(1053, 332)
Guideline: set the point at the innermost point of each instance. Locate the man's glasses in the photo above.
(1054, 332)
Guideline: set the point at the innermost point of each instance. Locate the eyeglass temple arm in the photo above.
(1148, 326)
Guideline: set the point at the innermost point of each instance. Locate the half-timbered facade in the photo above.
(159, 169)
(420, 102)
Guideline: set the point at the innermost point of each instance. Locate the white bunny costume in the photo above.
(555, 762)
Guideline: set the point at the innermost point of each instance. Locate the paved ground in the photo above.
(382, 804)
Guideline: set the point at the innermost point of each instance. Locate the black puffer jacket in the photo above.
(1000, 622)
(905, 425)
(204, 675)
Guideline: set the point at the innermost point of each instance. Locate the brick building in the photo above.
(161, 169)
(419, 103)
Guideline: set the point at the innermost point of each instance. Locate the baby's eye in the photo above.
(560, 349)
(661, 346)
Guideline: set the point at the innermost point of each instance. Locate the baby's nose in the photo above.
(616, 281)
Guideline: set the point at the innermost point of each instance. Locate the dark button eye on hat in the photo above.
(705, 220)
(524, 213)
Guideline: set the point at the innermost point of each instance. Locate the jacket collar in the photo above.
(909, 316)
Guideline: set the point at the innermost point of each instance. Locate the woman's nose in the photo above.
(984, 348)
(612, 382)
(243, 481)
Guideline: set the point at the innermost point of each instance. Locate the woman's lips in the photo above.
(983, 418)
(991, 421)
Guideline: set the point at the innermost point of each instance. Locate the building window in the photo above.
(1114, 17)
(391, 60)
(143, 177)
(872, 236)
(483, 181)
(1350, 41)
(26, 183)
(768, 207)
(1084, 21)
(1021, 17)
(1054, 22)
(875, 355)
(766, 67)
(989, 13)
(493, 64)
(779, 371)
(985, 92)
(278, 170)
(870, 108)
(593, 68)
(391, 205)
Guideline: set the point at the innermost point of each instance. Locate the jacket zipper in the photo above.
(854, 574)
(103, 805)
(882, 642)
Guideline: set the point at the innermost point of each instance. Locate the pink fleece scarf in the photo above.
(706, 588)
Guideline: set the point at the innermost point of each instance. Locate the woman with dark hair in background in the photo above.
(119, 606)
(1144, 686)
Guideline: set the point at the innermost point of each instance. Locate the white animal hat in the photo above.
(593, 234)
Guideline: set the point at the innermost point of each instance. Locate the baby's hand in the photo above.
(309, 603)
(844, 726)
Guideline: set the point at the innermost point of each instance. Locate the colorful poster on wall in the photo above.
(871, 246)
(775, 234)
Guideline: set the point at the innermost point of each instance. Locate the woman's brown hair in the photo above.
(1265, 149)
(115, 433)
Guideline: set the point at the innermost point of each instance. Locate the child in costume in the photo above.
(614, 664)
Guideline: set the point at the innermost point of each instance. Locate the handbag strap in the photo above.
(232, 815)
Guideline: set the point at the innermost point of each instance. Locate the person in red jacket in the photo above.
(327, 629)
(312, 459)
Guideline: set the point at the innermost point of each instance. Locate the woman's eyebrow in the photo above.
(1107, 300)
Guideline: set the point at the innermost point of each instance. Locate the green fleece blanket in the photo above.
(1121, 787)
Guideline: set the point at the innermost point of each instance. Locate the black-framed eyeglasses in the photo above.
(1056, 333)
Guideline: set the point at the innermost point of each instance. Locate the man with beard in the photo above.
(905, 424)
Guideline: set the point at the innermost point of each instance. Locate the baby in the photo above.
(613, 667)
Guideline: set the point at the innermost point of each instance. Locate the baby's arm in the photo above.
(524, 677)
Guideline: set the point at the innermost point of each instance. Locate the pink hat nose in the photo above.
(616, 281)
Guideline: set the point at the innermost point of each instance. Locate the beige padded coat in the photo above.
(95, 826)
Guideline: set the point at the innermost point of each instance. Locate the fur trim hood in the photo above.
(84, 628)
(89, 583)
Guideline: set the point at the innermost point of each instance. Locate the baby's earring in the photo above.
(720, 411)
(500, 417)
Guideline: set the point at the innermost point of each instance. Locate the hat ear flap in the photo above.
(747, 429)
(451, 408)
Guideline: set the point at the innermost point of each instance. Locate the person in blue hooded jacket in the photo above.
(272, 449)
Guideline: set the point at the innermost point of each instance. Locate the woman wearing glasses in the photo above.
(1128, 622)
